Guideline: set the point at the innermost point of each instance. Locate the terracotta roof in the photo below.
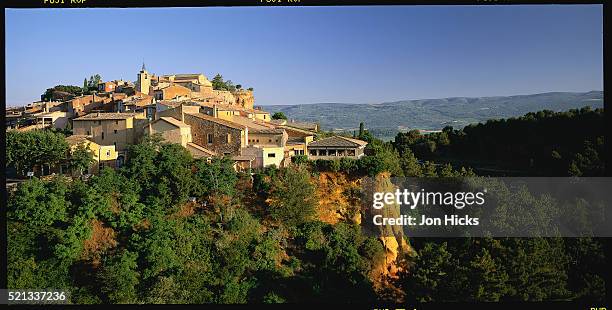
(105, 116)
(118, 96)
(77, 139)
(174, 85)
(298, 130)
(337, 141)
(173, 121)
(299, 125)
(251, 124)
(276, 131)
(200, 149)
(187, 75)
(170, 103)
(217, 120)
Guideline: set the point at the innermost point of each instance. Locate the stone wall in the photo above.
(172, 92)
(244, 98)
(119, 132)
(223, 97)
(201, 128)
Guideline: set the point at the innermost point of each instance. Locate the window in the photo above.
(103, 135)
(271, 155)
(115, 131)
(228, 139)
(116, 123)
(269, 140)
(210, 138)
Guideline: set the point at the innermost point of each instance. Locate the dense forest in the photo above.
(167, 228)
(544, 143)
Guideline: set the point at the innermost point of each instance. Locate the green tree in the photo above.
(218, 83)
(93, 82)
(410, 164)
(81, 157)
(119, 278)
(279, 115)
(24, 150)
(229, 85)
(38, 202)
(385, 158)
(299, 159)
(70, 89)
(291, 196)
(217, 177)
(488, 282)
(174, 164)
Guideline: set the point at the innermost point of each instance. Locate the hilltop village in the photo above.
(181, 108)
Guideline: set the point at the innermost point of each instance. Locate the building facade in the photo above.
(336, 147)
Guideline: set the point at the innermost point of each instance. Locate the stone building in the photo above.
(172, 92)
(268, 137)
(103, 155)
(107, 86)
(85, 104)
(174, 131)
(197, 86)
(143, 82)
(265, 156)
(297, 141)
(336, 147)
(218, 135)
(244, 98)
(171, 129)
(117, 129)
(55, 119)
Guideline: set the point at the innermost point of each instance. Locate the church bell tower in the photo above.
(144, 80)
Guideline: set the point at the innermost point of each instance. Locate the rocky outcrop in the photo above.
(392, 237)
(244, 98)
(339, 198)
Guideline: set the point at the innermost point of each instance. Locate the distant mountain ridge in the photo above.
(385, 119)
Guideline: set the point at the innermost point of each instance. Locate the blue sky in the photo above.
(303, 55)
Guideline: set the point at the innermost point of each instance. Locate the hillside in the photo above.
(385, 119)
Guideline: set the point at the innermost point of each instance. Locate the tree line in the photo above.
(544, 143)
(219, 84)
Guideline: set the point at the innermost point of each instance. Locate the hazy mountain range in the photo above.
(385, 119)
